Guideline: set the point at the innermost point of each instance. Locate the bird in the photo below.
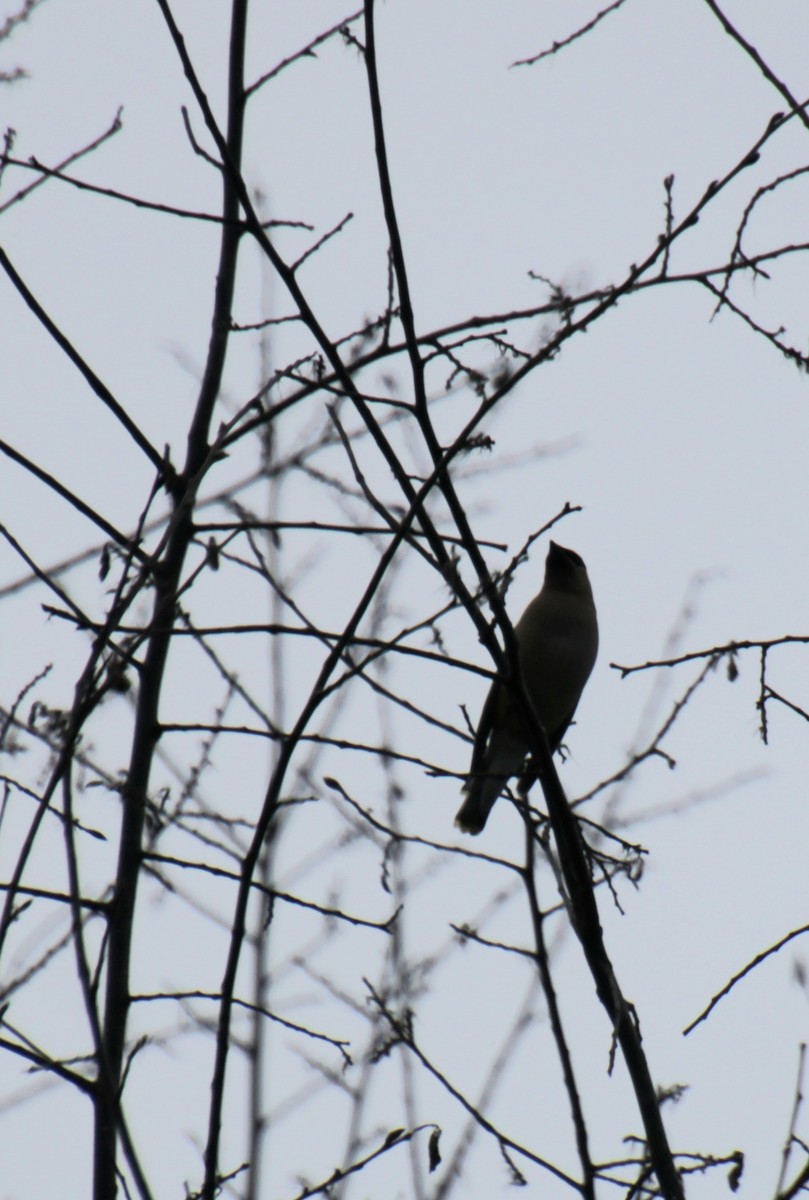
(557, 643)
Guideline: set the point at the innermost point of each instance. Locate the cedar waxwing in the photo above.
(557, 641)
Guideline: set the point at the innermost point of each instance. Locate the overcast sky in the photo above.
(683, 438)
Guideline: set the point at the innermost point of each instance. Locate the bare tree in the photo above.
(233, 959)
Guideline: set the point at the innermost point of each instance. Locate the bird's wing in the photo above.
(484, 729)
(555, 735)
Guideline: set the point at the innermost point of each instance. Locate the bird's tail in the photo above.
(481, 790)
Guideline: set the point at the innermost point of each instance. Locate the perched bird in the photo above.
(557, 640)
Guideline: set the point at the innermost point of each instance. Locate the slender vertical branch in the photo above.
(167, 577)
(562, 1048)
(586, 923)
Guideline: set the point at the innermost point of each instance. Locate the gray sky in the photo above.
(683, 438)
